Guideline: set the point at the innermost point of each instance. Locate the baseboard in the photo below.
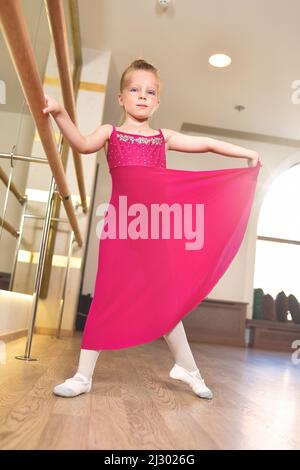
(218, 322)
(42, 330)
(14, 334)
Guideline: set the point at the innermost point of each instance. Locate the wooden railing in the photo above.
(18, 41)
(59, 34)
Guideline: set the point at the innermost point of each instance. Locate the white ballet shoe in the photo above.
(73, 386)
(193, 379)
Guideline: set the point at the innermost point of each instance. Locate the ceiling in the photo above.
(261, 37)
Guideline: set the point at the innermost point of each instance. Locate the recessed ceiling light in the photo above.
(164, 3)
(239, 107)
(219, 60)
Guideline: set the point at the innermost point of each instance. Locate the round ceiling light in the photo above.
(219, 60)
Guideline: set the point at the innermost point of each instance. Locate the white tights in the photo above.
(176, 340)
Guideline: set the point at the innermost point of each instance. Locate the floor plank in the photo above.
(134, 404)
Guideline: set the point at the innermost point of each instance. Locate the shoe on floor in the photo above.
(193, 379)
(73, 386)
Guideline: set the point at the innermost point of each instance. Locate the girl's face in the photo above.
(141, 89)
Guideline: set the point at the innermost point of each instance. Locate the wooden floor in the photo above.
(135, 405)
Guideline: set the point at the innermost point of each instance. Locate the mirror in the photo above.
(22, 210)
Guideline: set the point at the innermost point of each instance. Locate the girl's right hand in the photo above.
(52, 106)
(254, 160)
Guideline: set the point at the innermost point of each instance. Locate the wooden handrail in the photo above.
(9, 228)
(13, 188)
(18, 42)
(59, 34)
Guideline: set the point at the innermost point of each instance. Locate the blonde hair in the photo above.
(138, 64)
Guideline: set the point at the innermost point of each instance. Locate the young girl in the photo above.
(145, 286)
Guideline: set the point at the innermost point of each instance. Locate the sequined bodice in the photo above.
(133, 149)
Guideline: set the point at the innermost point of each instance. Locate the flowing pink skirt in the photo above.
(145, 286)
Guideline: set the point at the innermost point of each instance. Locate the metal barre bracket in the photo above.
(62, 197)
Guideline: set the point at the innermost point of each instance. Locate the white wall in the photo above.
(15, 311)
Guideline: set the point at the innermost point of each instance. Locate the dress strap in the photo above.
(112, 132)
(162, 136)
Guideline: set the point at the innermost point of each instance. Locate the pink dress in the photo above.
(153, 273)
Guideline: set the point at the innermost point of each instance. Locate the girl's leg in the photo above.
(87, 362)
(81, 382)
(185, 368)
(179, 346)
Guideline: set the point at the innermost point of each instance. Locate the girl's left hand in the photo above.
(253, 161)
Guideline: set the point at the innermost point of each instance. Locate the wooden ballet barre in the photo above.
(12, 188)
(64, 197)
(18, 42)
(59, 33)
(9, 228)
